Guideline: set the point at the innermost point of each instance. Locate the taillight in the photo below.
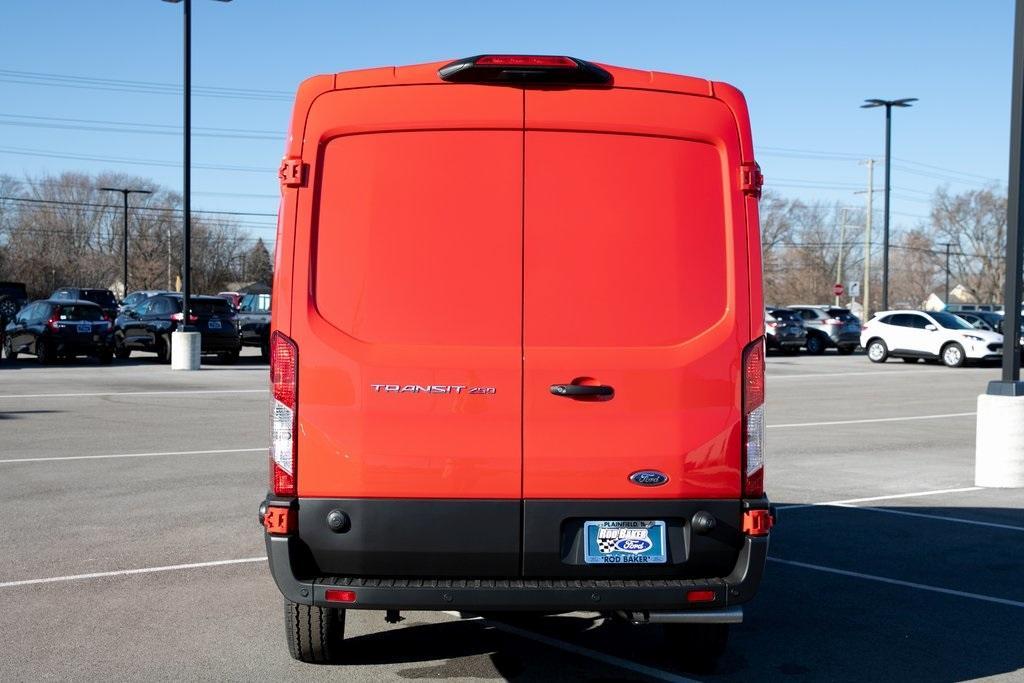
(54, 317)
(833, 321)
(284, 359)
(772, 324)
(192, 317)
(753, 420)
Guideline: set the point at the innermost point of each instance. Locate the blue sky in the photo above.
(804, 66)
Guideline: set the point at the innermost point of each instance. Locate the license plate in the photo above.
(213, 325)
(84, 327)
(624, 542)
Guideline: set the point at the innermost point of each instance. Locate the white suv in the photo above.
(932, 335)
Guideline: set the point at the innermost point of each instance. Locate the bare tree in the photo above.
(974, 222)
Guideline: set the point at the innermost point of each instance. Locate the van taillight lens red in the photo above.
(753, 420)
(525, 60)
(284, 359)
(335, 595)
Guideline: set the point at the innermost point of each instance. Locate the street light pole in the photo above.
(888, 104)
(124, 245)
(186, 266)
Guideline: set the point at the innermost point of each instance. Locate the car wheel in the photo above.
(315, 634)
(229, 357)
(9, 351)
(120, 349)
(910, 360)
(44, 354)
(953, 355)
(8, 308)
(845, 350)
(105, 357)
(163, 349)
(878, 352)
(698, 646)
(265, 352)
(815, 345)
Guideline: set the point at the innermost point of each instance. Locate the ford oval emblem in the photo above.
(649, 478)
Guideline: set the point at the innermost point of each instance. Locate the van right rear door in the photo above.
(635, 262)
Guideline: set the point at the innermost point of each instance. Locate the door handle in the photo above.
(581, 390)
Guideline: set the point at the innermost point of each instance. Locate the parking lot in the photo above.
(131, 548)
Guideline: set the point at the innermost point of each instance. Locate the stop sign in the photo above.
(837, 289)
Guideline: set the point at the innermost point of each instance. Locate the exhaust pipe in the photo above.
(729, 615)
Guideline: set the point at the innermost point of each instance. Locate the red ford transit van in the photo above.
(517, 352)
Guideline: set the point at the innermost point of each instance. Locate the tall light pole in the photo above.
(186, 265)
(867, 242)
(124, 246)
(888, 104)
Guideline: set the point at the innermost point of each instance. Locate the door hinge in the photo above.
(751, 179)
(293, 172)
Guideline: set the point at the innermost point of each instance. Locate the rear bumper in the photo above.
(220, 342)
(561, 588)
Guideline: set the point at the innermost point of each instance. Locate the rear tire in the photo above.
(229, 357)
(9, 352)
(44, 354)
(315, 634)
(878, 352)
(910, 360)
(699, 646)
(105, 357)
(8, 309)
(953, 355)
(845, 350)
(163, 348)
(815, 345)
(120, 349)
(265, 352)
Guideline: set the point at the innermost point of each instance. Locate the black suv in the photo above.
(103, 298)
(54, 329)
(254, 322)
(12, 298)
(149, 325)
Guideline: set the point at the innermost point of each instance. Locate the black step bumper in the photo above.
(567, 591)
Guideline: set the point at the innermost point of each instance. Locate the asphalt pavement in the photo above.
(131, 549)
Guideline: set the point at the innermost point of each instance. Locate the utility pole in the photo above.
(124, 246)
(947, 245)
(867, 242)
(842, 246)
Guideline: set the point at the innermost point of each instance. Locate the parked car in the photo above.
(550, 420)
(149, 325)
(51, 329)
(104, 298)
(987, 320)
(254, 322)
(829, 326)
(137, 297)
(234, 297)
(13, 297)
(784, 330)
(912, 335)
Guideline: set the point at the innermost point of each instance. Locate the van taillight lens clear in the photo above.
(284, 357)
(753, 420)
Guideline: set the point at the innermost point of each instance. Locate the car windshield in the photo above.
(950, 321)
(81, 313)
(103, 297)
(788, 316)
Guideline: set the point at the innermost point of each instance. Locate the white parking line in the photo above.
(869, 373)
(898, 582)
(941, 518)
(870, 420)
(128, 572)
(572, 648)
(139, 393)
(133, 455)
(915, 494)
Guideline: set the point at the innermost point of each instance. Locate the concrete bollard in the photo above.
(185, 348)
(999, 453)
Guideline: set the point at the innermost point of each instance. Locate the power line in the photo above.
(143, 129)
(149, 87)
(67, 202)
(137, 162)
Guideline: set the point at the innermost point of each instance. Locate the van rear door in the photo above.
(635, 257)
(410, 360)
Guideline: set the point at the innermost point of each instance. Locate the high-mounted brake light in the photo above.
(524, 69)
(753, 420)
(284, 367)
